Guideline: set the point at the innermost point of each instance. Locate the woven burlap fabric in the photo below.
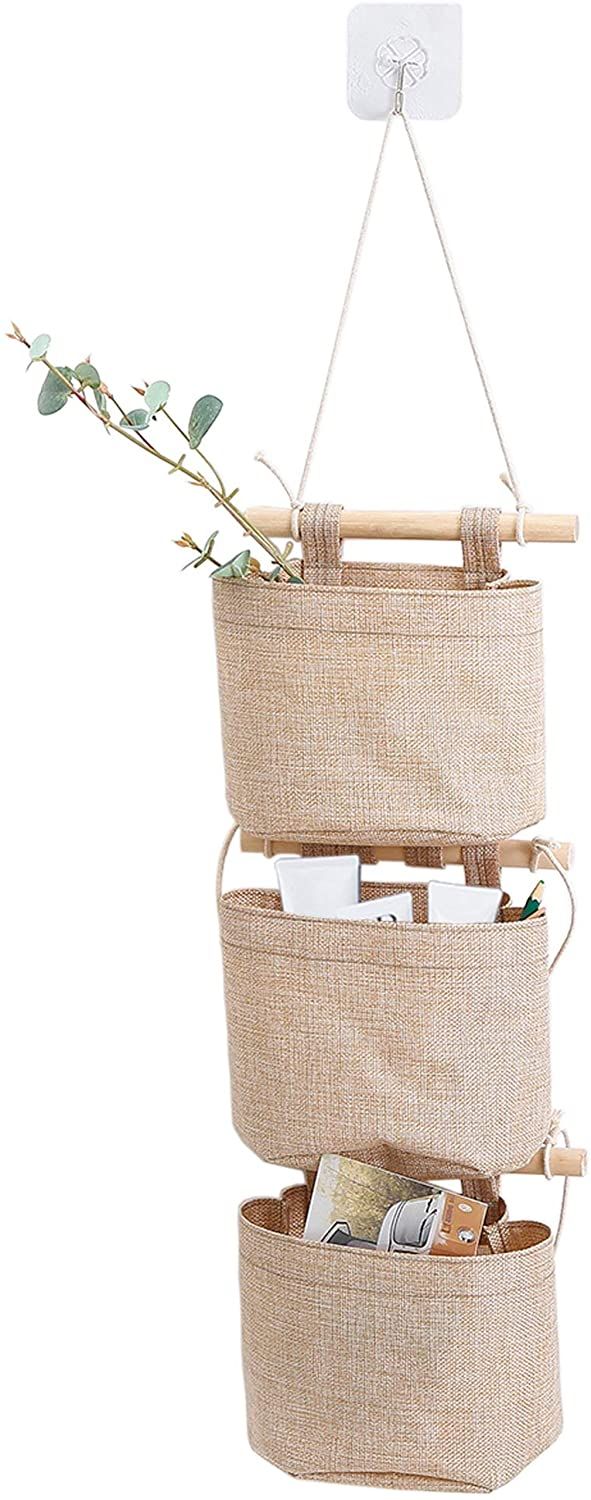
(396, 707)
(422, 1046)
(479, 531)
(400, 1371)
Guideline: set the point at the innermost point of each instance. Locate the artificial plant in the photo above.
(63, 383)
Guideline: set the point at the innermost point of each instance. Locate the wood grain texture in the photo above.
(420, 525)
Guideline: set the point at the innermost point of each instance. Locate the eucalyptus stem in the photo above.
(198, 451)
(219, 495)
(201, 551)
(224, 500)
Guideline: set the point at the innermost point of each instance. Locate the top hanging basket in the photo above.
(406, 701)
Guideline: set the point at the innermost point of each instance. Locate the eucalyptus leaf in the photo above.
(139, 419)
(53, 394)
(39, 346)
(202, 417)
(237, 567)
(157, 395)
(87, 375)
(101, 401)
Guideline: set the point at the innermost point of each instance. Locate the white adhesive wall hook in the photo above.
(420, 43)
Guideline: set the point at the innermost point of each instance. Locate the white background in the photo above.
(182, 187)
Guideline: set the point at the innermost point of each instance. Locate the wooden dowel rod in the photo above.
(565, 1161)
(514, 854)
(419, 525)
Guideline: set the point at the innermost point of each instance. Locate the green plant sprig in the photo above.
(204, 413)
(165, 412)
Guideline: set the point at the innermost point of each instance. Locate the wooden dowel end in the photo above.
(420, 525)
(565, 1161)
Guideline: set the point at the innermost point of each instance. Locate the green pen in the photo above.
(533, 902)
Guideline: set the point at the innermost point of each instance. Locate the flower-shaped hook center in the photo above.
(401, 52)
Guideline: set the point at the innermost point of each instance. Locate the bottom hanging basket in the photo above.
(400, 1371)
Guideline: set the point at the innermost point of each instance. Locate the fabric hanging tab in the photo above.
(481, 865)
(424, 857)
(481, 547)
(320, 533)
(487, 1190)
(494, 1237)
(294, 1202)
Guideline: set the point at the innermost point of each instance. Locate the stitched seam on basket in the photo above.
(241, 910)
(321, 958)
(443, 571)
(268, 627)
(257, 907)
(381, 1291)
(257, 943)
(247, 1226)
(420, 930)
(433, 591)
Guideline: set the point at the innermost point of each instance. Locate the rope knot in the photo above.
(541, 846)
(555, 1131)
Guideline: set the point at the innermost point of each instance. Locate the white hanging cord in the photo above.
(556, 1130)
(260, 458)
(547, 847)
(344, 311)
(510, 478)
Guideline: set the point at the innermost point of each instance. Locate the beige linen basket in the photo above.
(407, 1372)
(406, 701)
(421, 1046)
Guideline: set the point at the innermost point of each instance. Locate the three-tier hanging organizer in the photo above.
(404, 721)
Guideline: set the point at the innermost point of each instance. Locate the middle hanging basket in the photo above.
(407, 701)
(422, 1047)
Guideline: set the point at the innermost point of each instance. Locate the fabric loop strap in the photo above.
(479, 532)
(494, 1237)
(294, 1206)
(481, 865)
(424, 857)
(219, 881)
(487, 1190)
(320, 532)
